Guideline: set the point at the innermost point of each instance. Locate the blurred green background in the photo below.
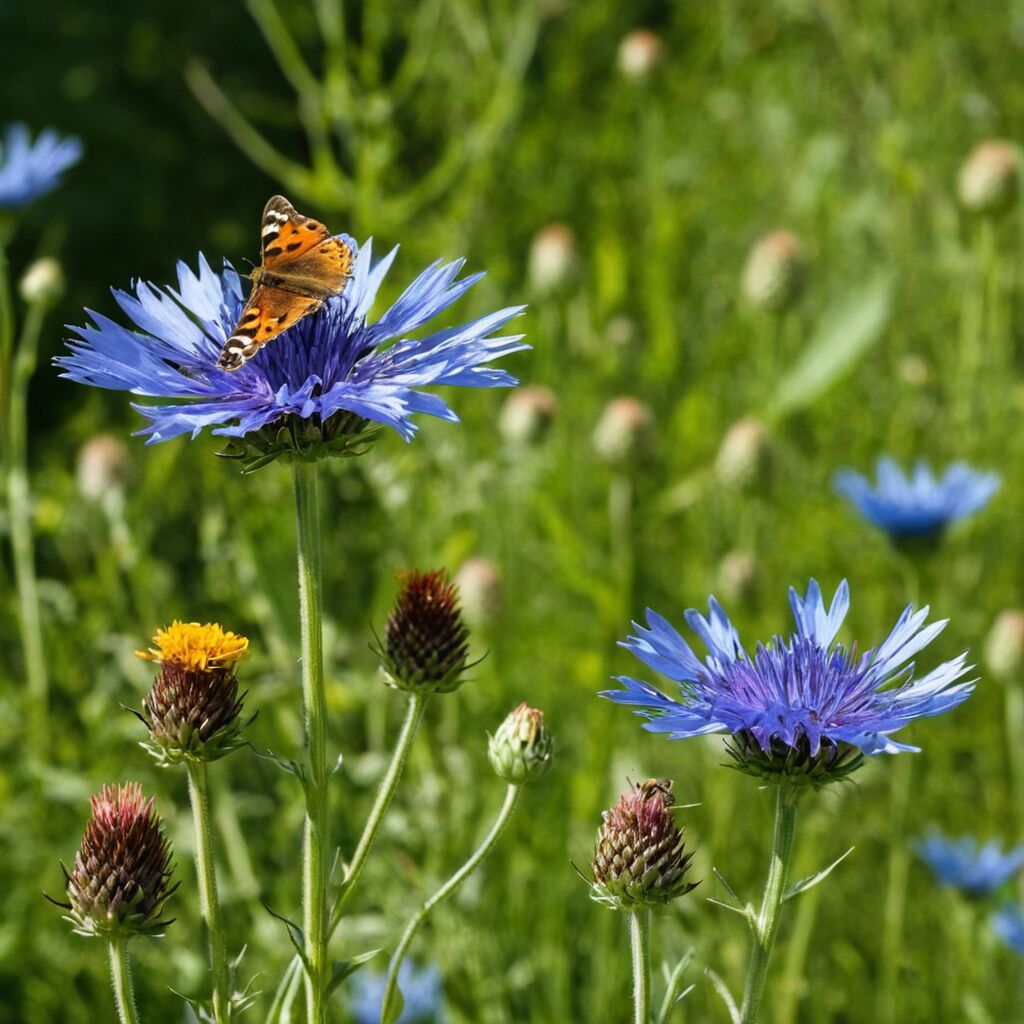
(470, 128)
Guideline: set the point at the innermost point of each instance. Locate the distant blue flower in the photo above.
(421, 990)
(31, 169)
(1008, 923)
(917, 504)
(963, 864)
(806, 692)
(332, 361)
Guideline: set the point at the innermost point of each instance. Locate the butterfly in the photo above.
(302, 266)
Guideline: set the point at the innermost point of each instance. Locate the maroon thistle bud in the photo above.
(640, 859)
(425, 640)
(120, 879)
(192, 712)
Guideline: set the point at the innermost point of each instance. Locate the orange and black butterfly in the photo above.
(303, 265)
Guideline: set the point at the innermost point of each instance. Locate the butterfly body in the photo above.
(303, 265)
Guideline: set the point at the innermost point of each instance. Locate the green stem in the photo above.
(121, 979)
(388, 1005)
(20, 510)
(385, 793)
(6, 336)
(314, 836)
(766, 925)
(640, 947)
(209, 904)
(896, 890)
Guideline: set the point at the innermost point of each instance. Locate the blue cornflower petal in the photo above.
(964, 864)
(421, 991)
(30, 169)
(804, 689)
(1008, 923)
(333, 361)
(917, 504)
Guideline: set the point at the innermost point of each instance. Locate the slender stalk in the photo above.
(20, 511)
(314, 707)
(640, 947)
(209, 904)
(766, 925)
(896, 891)
(1014, 715)
(121, 979)
(446, 890)
(385, 793)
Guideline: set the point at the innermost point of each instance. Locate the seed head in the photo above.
(774, 276)
(120, 880)
(193, 710)
(989, 180)
(640, 858)
(520, 751)
(425, 641)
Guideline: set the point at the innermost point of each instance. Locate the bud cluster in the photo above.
(426, 642)
(640, 860)
(120, 879)
(193, 710)
(520, 750)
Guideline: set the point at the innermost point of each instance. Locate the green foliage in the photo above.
(844, 123)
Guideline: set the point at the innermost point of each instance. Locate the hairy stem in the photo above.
(209, 904)
(388, 1005)
(314, 706)
(766, 924)
(640, 947)
(121, 979)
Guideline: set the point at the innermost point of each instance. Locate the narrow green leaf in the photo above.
(847, 330)
(812, 880)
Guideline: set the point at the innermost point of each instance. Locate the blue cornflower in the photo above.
(31, 169)
(802, 706)
(334, 370)
(1008, 923)
(919, 504)
(963, 864)
(421, 991)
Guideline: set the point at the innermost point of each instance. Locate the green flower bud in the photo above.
(989, 180)
(1004, 646)
(744, 458)
(520, 751)
(775, 273)
(624, 432)
(43, 283)
(527, 415)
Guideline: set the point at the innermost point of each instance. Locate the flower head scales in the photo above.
(30, 169)
(917, 504)
(798, 702)
(332, 372)
(965, 864)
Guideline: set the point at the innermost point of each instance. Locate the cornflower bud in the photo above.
(624, 432)
(479, 583)
(193, 710)
(775, 272)
(1004, 646)
(520, 750)
(552, 258)
(640, 52)
(43, 283)
(989, 179)
(744, 458)
(102, 466)
(527, 414)
(425, 641)
(120, 879)
(640, 859)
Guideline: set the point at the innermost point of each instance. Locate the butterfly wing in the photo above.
(301, 252)
(268, 312)
(303, 264)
